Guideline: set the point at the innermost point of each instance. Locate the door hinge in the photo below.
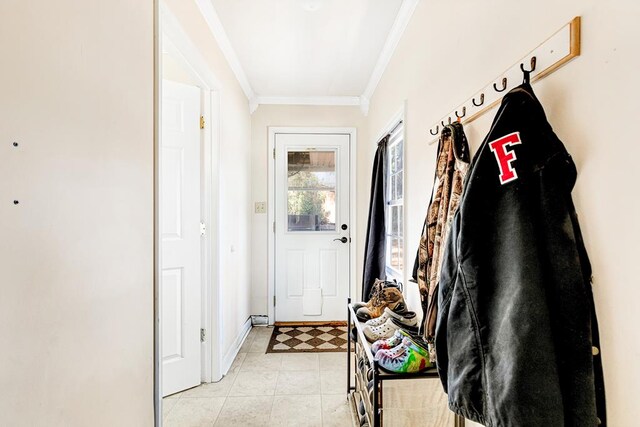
(274, 300)
(274, 153)
(274, 226)
(203, 334)
(201, 122)
(203, 228)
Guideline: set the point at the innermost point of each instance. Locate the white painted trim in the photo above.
(176, 42)
(214, 224)
(399, 115)
(228, 359)
(395, 34)
(253, 105)
(308, 100)
(271, 270)
(157, 255)
(364, 105)
(173, 35)
(215, 26)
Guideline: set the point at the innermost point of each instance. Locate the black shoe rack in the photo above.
(367, 371)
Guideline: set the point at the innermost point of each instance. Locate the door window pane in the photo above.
(311, 197)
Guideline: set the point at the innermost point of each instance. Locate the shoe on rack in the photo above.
(389, 343)
(361, 414)
(411, 330)
(390, 314)
(408, 357)
(388, 328)
(367, 375)
(383, 296)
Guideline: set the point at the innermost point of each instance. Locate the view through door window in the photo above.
(311, 197)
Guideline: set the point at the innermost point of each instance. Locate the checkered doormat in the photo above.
(308, 339)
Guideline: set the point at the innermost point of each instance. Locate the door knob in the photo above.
(343, 240)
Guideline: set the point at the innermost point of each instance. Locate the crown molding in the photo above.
(364, 105)
(395, 34)
(356, 101)
(176, 42)
(215, 26)
(308, 100)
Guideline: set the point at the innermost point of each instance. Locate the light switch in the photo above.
(261, 207)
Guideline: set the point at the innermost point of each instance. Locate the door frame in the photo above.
(170, 37)
(271, 267)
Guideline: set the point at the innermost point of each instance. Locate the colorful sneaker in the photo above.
(388, 328)
(388, 343)
(408, 357)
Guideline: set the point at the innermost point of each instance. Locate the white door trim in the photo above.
(171, 37)
(271, 270)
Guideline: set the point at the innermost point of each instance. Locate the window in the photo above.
(395, 202)
(311, 198)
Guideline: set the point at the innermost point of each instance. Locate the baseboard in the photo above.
(318, 323)
(228, 358)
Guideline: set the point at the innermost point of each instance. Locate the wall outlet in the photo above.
(261, 207)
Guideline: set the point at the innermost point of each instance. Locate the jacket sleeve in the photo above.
(568, 289)
(446, 285)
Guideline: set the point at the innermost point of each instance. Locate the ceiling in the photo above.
(308, 51)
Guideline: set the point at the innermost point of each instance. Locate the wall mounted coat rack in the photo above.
(550, 55)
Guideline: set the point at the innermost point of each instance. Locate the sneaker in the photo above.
(384, 294)
(390, 314)
(408, 357)
(388, 343)
(388, 328)
(410, 329)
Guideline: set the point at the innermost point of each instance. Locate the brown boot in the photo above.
(384, 294)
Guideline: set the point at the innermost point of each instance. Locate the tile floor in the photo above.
(301, 390)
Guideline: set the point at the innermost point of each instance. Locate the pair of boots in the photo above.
(402, 353)
(383, 294)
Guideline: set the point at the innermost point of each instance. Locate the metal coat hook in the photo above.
(481, 100)
(504, 85)
(436, 132)
(464, 113)
(533, 66)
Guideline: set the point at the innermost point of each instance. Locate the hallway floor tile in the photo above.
(302, 390)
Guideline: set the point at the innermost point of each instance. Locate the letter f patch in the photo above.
(504, 157)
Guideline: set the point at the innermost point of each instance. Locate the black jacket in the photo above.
(516, 322)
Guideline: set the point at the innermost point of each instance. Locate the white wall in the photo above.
(452, 49)
(235, 178)
(76, 293)
(281, 115)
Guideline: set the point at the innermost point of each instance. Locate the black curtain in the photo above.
(375, 249)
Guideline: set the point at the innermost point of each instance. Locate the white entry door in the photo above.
(312, 237)
(180, 287)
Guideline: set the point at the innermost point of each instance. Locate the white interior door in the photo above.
(312, 237)
(180, 233)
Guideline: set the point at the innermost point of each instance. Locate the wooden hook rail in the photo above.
(550, 55)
